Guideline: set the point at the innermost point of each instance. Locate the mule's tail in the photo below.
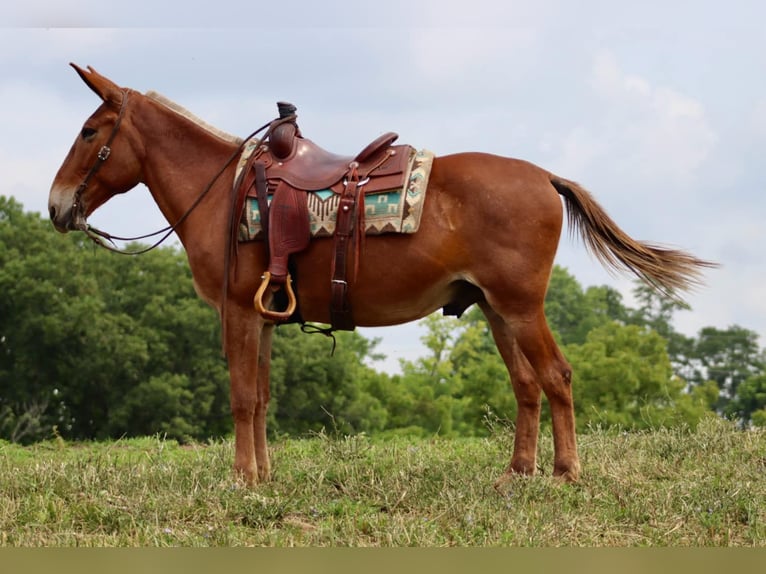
(667, 270)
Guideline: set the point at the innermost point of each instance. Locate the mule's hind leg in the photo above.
(553, 374)
(527, 391)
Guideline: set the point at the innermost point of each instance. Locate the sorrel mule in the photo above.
(488, 235)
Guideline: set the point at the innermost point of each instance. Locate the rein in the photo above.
(98, 236)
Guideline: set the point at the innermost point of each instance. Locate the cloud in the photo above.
(462, 59)
(650, 133)
(659, 132)
(485, 15)
(54, 46)
(52, 14)
(38, 129)
(576, 151)
(650, 153)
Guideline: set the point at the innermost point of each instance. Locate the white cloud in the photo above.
(31, 14)
(58, 46)
(660, 133)
(652, 151)
(469, 59)
(38, 129)
(575, 151)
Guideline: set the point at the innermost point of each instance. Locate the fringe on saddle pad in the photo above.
(396, 211)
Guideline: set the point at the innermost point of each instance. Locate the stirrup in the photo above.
(276, 316)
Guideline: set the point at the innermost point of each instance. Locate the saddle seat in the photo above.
(308, 167)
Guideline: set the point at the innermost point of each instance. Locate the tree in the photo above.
(428, 387)
(312, 389)
(572, 313)
(656, 311)
(749, 404)
(98, 345)
(95, 338)
(565, 306)
(623, 377)
(483, 382)
(728, 357)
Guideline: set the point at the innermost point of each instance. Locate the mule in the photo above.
(488, 235)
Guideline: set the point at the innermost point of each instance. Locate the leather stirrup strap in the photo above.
(340, 309)
(262, 196)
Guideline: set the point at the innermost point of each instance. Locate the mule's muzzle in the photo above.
(61, 221)
(66, 220)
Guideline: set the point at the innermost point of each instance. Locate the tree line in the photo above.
(96, 346)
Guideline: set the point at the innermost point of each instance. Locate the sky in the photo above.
(657, 107)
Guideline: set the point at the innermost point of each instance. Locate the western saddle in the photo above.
(284, 168)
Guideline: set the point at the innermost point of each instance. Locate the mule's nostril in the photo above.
(52, 212)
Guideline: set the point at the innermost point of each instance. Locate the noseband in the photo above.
(78, 216)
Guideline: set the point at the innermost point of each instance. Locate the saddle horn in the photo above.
(282, 137)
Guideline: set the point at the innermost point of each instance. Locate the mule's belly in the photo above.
(384, 302)
(399, 279)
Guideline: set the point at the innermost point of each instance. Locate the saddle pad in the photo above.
(397, 211)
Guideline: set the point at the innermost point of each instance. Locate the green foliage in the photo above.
(485, 387)
(94, 345)
(313, 390)
(758, 418)
(631, 368)
(749, 405)
(623, 378)
(572, 313)
(728, 357)
(97, 345)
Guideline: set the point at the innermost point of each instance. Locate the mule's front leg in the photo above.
(243, 334)
(262, 403)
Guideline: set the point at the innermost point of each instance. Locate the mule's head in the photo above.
(103, 160)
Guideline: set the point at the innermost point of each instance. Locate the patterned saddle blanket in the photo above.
(391, 211)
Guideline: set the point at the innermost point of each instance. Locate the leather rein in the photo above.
(98, 236)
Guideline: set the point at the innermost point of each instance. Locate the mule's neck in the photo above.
(181, 160)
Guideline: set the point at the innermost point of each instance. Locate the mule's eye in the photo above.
(87, 133)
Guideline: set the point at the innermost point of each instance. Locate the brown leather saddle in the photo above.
(281, 172)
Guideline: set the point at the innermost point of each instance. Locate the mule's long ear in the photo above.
(104, 88)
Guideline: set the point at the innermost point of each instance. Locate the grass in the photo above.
(662, 488)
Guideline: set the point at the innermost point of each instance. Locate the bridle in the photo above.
(78, 215)
(98, 236)
(103, 154)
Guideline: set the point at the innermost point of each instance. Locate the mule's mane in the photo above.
(182, 111)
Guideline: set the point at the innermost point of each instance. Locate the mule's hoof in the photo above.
(567, 475)
(247, 478)
(502, 484)
(523, 467)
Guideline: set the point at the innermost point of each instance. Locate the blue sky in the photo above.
(659, 108)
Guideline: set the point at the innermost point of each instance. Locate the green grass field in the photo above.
(663, 488)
